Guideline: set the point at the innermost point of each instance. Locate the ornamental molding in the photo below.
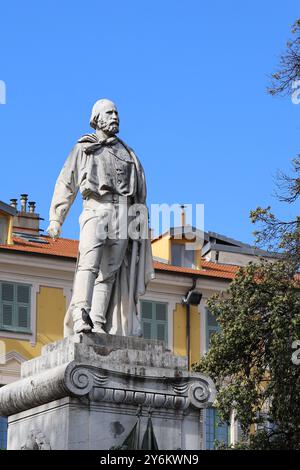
(102, 385)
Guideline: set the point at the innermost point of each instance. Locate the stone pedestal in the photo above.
(85, 392)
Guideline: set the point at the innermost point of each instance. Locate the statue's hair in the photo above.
(96, 111)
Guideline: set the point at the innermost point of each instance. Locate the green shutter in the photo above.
(147, 330)
(23, 320)
(161, 312)
(15, 307)
(154, 320)
(7, 314)
(7, 291)
(161, 332)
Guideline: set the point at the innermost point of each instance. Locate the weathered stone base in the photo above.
(70, 423)
(85, 391)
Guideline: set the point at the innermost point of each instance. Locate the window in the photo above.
(14, 307)
(212, 327)
(3, 229)
(182, 257)
(215, 430)
(154, 320)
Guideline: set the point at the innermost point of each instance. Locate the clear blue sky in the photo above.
(189, 78)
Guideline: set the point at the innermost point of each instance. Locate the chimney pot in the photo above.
(32, 205)
(13, 203)
(182, 215)
(24, 198)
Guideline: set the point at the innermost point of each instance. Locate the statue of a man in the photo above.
(113, 268)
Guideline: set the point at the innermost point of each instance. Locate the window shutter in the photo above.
(14, 306)
(7, 315)
(23, 294)
(147, 309)
(7, 292)
(147, 330)
(154, 320)
(161, 332)
(23, 317)
(161, 312)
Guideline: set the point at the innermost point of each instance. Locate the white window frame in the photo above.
(36, 284)
(171, 305)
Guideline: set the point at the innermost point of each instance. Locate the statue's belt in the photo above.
(110, 197)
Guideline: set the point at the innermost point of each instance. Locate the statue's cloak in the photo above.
(135, 272)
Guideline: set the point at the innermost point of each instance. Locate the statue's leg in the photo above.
(116, 250)
(90, 253)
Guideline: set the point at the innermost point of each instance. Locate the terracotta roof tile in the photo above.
(208, 269)
(67, 248)
(59, 247)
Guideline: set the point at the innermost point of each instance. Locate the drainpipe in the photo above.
(188, 324)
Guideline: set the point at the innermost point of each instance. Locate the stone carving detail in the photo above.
(102, 385)
(154, 400)
(36, 440)
(198, 392)
(80, 379)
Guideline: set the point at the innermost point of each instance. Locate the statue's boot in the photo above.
(100, 303)
(98, 328)
(80, 325)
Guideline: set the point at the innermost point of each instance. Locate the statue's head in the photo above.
(105, 117)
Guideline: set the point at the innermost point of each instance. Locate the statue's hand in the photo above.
(54, 229)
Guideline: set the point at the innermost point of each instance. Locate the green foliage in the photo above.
(250, 358)
(282, 236)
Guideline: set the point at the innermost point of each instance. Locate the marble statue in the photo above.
(114, 261)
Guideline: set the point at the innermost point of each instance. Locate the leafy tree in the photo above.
(250, 359)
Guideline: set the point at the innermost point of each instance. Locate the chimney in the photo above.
(13, 203)
(31, 205)
(24, 198)
(182, 215)
(26, 221)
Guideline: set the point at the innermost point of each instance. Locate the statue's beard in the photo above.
(110, 128)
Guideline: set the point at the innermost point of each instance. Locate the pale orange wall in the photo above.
(51, 307)
(179, 332)
(162, 248)
(9, 219)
